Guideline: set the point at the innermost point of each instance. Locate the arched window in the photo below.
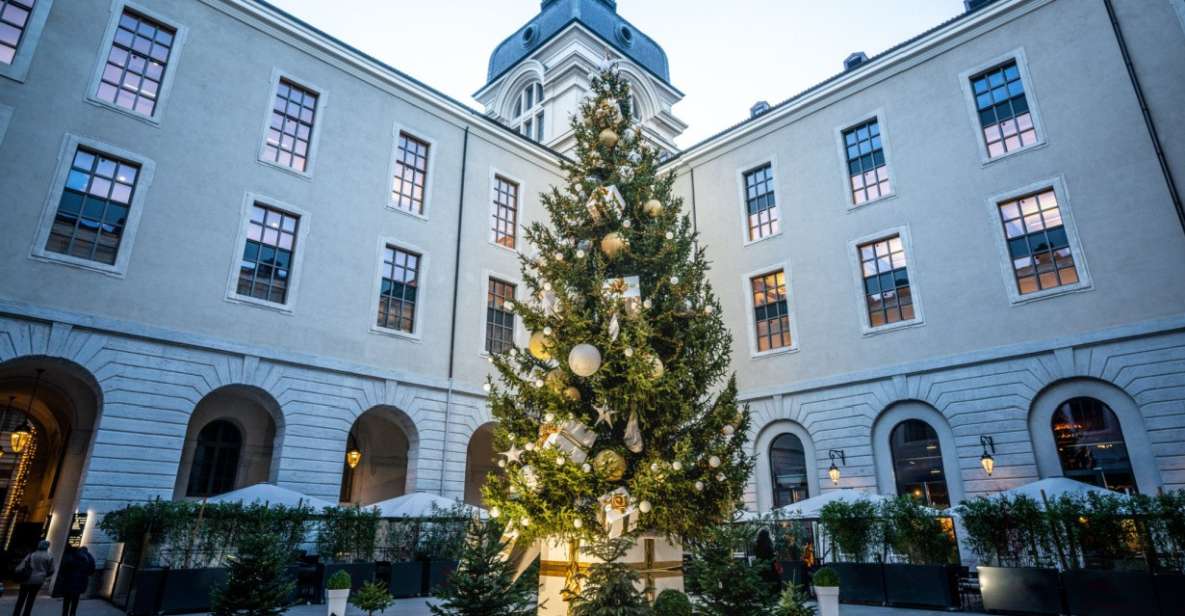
(1090, 445)
(528, 111)
(917, 463)
(635, 109)
(787, 465)
(215, 459)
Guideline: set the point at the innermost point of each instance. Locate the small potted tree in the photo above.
(404, 573)
(826, 583)
(1012, 540)
(372, 597)
(337, 590)
(916, 535)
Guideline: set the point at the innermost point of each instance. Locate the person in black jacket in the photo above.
(77, 567)
(767, 560)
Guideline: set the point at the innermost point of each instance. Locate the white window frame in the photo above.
(294, 273)
(5, 118)
(136, 206)
(1022, 64)
(519, 208)
(1058, 185)
(919, 318)
(417, 326)
(751, 318)
(754, 165)
(396, 129)
(166, 86)
(879, 116)
(18, 69)
(532, 113)
(318, 122)
(520, 331)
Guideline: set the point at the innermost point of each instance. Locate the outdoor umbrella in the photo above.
(270, 494)
(812, 507)
(1053, 487)
(422, 505)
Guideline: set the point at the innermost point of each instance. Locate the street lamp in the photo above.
(23, 435)
(353, 457)
(987, 460)
(833, 472)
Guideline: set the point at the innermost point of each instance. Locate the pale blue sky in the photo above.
(724, 54)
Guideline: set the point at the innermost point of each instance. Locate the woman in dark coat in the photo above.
(77, 567)
(771, 569)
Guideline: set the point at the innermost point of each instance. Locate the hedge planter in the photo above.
(935, 586)
(1170, 592)
(405, 579)
(437, 574)
(360, 573)
(1092, 592)
(1020, 589)
(793, 571)
(860, 582)
(174, 591)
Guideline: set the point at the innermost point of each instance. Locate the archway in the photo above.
(480, 462)
(231, 442)
(930, 441)
(766, 469)
(384, 440)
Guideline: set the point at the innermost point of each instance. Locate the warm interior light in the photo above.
(833, 473)
(20, 438)
(988, 463)
(353, 457)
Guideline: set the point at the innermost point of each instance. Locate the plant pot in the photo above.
(336, 601)
(861, 582)
(174, 591)
(793, 572)
(360, 573)
(437, 574)
(1020, 589)
(935, 586)
(1170, 592)
(405, 579)
(1095, 592)
(828, 598)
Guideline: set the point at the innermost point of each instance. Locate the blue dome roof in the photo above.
(599, 16)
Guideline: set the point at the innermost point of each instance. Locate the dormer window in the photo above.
(528, 111)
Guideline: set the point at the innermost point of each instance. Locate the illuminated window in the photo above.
(886, 281)
(1003, 109)
(93, 211)
(1090, 445)
(215, 459)
(290, 132)
(1037, 242)
(265, 271)
(136, 64)
(771, 311)
(867, 169)
(411, 174)
(14, 17)
(499, 318)
(398, 290)
(787, 462)
(917, 463)
(528, 111)
(760, 205)
(504, 213)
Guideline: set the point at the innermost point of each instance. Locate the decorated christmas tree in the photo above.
(620, 417)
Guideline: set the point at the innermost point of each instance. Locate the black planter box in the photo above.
(1021, 589)
(1170, 592)
(861, 582)
(360, 573)
(437, 573)
(934, 586)
(1093, 592)
(405, 579)
(174, 591)
(793, 572)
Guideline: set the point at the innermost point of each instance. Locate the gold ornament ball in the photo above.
(656, 368)
(572, 394)
(653, 208)
(577, 523)
(612, 244)
(609, 465)
(555, 379)
(584, 360)
(608, 138)
(538, 346)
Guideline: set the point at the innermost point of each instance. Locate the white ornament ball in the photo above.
(647, 304)
(584, 360)
(524, 522)
(486, 386)
(644, 507)
(674, 280)
(628, 134)
(501, 463)
(559, 256)
(538, 383)
(714, 461)
(699, 486)
(577, 523)
(654, 467)
(559, 460)
(708, 310)
(495, 512)
(586, 467)
(508, 305)
(670, 235)
(677, 465)
(626, 223)
(719, 476)
(579, 254)
(529, 446)
(728, 430)
(549, 417)
(547, 286)
(629, 351)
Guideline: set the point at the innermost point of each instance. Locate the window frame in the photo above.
(742, 194)
(1022, 64)
(278, 74)
(877, 115)
(166, 85)
(136, 205)
(520, 332)
(396, 131)
(250, 199)
(417, 328)
(536, 113)
(519, 208)
(18, 69)
(911, 264)
(1058, 185)
(193, 467)
(750, 309)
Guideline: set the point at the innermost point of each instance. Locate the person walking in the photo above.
(75, 573)
(32, 573)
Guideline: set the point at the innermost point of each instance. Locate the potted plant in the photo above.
(928, 576)
(337, 591)
(346, 541)
(1165, 532)
(404, 574)
(826, 583)
(1012, 539)
(854, 530)
(372, 597)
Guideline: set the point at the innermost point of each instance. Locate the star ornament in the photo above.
(604, 414)
(514, 454)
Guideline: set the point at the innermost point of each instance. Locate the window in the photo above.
(867, 169)
(760, 205)
(499, 318)
(135, 65)
(1090, 445)
(917, 463)
(289, 135)
(398, 290)
(93, 211)
(215, 459)
(528, 111)
(887, 292)
(504, 213)
(411, 174)
(265, 272)
(771, 311)
(1003, 109)
(787, 461)
(1038, 244)
(14, 16)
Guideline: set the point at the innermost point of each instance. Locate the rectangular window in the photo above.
(411, 174)
(499, 318)
(135, 66)
(1037, 242)
(771, 311)
(867, 168)
(1003, 109)
(266, 269)
(397, 292)
(291, 129)
(93, 210)
(886, 281)
(14, 16)
(760, 204)
(504, 213)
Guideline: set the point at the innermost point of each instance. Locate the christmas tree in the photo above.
(620, 417)
(483, 583)
(258, 583)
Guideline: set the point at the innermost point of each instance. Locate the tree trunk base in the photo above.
(659, 562)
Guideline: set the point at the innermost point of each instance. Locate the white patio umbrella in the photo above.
(270, 494)
(422, 505)
(1054, 487)
(812, 507)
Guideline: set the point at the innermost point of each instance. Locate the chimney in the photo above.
(758, 108)
(854, 60)
(975, 5)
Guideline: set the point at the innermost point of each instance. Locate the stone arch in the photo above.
(389, 443)
(882, 454)
(762, 470)
(480, 461)
(260, 421)
(1131, 420)
(640, 86)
